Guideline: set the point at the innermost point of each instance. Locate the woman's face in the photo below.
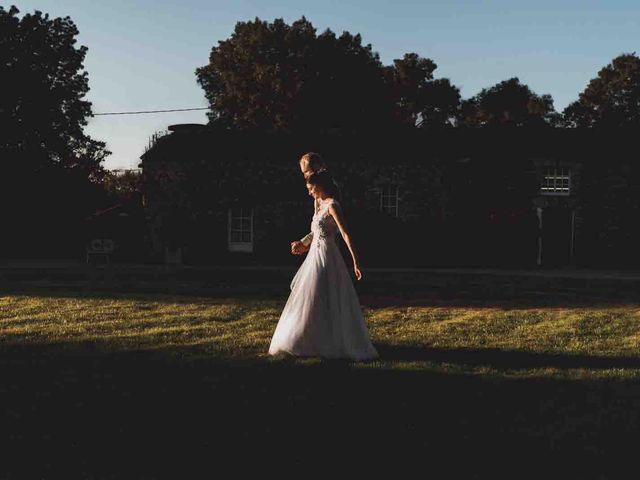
(314, 190)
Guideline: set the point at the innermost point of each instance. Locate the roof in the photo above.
(188, 142)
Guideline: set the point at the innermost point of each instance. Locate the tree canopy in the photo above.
(611, 99)
(279, 77)
(43, 117)
(419, 99)
(51, 168)
(509, 103)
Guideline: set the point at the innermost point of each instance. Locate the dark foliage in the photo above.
(612, 99)
(50, 166)
(509, 103)
(279, 77)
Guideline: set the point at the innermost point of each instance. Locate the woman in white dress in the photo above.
(311, 163)
(322, 316)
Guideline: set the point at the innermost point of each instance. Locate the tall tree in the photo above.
(49, 163)
(345, 88)
(440, 105)
(42, 118)
(276, 77)
(509, 103)
(612, 99)
(408, 77)
(419, 99)
(252, 77)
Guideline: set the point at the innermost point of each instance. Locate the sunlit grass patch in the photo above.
(144, 322)
(414, 337)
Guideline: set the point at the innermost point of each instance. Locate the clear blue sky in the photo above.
(143, 53)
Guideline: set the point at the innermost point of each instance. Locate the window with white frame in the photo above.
(389, 200)
(240, 229)
(556, 181)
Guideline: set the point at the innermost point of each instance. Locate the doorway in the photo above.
(556, 248)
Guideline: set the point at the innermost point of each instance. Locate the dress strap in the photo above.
(327, 203)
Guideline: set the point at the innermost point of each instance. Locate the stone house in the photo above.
(493, 196)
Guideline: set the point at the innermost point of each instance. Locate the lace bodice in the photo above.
(323, 225)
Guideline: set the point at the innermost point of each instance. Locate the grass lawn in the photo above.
(142, 385)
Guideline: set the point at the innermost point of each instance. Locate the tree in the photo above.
(276, 77)
(42, 119)
(408, 77)
(441, 104)
(346, 91)
(48, 161)
(252, 77)
(509, 103)
(122, 185)
(419, 100)
(612, 99)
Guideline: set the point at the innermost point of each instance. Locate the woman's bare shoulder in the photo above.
(333, 203)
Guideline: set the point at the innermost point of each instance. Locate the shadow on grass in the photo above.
(181, 297)
(69, 412)
(498, 296)
(505, 359)
(515, 302)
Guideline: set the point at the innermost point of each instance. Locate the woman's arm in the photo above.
(306, 240)
(336, 212)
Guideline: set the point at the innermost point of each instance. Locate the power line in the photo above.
(152, 111)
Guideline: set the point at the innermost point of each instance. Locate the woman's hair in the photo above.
(324, 180)
(315, 161)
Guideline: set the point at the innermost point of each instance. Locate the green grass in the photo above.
(412, 336)
(147, 385)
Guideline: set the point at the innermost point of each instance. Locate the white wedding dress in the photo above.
(322, 317)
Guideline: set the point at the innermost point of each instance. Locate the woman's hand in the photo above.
(298, 248)
(356, 270)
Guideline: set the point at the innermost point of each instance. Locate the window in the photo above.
(389, 200)
(556, 181)
(240, 229)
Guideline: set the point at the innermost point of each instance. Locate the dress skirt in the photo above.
(322, 316)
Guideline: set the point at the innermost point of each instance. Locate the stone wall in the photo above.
(464, 197)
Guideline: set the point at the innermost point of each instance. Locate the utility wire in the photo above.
(152, 111)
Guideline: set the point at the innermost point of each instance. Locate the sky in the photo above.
(143, 53)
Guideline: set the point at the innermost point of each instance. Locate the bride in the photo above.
(322, 316)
